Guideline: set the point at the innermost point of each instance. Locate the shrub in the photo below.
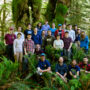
(2, 48)
(7, 70)
(77, 54)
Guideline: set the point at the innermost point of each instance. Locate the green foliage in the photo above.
(74, 84)
(19, 86)
(78, 53)
(7, 68)
(60, 11)
(32, 65)
(52, 53)
(2, 48)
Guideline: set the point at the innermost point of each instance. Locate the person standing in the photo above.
(64, 27)
(28, 30)
(46, 27)
(49, 39)
(36, 37)
(19, 31)
(84, 41)
(53, 29)
(60, 31)
(71, 32)
(29, 46)
(18, 49)
(39, 28)
(9, 39)
(67, 45)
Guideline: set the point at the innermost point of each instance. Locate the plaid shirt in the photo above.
(29, 45)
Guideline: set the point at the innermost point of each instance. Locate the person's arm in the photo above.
(65, 74)
(62, 77)
(46, 70)
(14, 47)
(87, 71)
(78, 70)
(54, 44)
(74, 36)
(62, 44)
(25, 48)
(77, 73)
(70, 46)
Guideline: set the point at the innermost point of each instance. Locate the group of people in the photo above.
(65, 72)
(34, 42)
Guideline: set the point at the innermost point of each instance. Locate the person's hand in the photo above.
(41, 70)
(86, 71)
(68, 50)
(75, 76)
(26, 53)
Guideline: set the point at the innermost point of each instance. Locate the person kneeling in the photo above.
(43, 65)
(74, 70)
(61, 69)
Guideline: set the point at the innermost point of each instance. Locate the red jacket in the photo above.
(62, 33)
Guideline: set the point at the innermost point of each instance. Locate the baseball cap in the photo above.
(59, 24)
(29, 33)
(11, 28)
(42, 54)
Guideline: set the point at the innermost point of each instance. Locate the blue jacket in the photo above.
(84, 43)
(37, 39)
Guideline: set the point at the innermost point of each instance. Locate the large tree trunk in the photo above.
(3, 20)
(36, 9)
(20, 10)
(21, 14)
(50, 12)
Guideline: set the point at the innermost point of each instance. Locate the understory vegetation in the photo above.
(11, 78)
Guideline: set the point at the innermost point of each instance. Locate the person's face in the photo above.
(35, 30)
(60, 60)
(75, 27)
(18, 36)
(11, 31)
(60, 27)
(29, 26)
(38, 47)
(85, 61)
(42, 58)
(49, 33)
(19, 29)
(29, 36)
(78, 31)
(53, 25)
(40, 24)
(58, 37)
(70, 27)
(66, 35)
(46, 22)
(83, 35)
(74, 62)
(64, 26)
(43, 32)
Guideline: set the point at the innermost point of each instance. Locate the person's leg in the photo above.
(64, 52)
(20, 60)
(12, 53)
(69, 54)
(17, 56)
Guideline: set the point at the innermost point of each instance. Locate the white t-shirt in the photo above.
(58, 44)
(18, 45)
